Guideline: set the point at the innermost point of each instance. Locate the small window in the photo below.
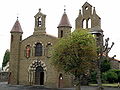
(61, 33)
(20, 38)
(38, 49)
(28, 51)
(11, 38)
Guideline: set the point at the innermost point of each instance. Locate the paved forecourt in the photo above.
(5, 86)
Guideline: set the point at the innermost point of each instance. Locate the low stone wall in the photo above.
(4, 76)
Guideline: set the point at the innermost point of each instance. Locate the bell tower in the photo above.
(64, 27)
(88, 19)
(16, 38)
(39, 23)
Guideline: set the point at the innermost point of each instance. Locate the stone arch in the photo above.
(32, 70)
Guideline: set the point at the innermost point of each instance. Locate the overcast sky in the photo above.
(108, 10)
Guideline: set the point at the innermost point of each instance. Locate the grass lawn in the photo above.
(112, 85)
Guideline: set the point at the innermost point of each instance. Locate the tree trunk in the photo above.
(99, 81)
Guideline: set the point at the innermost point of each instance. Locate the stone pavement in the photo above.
(5, 86)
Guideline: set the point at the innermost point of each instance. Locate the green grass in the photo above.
(111, 85)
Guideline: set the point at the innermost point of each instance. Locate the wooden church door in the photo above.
(39, 76)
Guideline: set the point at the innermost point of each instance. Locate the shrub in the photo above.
(110, 76)
(117, 71)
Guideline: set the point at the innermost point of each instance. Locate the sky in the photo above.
(108, 10)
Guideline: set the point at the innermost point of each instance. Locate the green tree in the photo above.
(75, 54)
(105, 64)
(6, 58)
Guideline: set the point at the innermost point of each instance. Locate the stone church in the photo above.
(30, 57)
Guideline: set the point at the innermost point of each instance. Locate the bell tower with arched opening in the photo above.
(39, 23)
(88, 19)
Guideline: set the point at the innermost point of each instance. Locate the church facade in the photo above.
(30, 58)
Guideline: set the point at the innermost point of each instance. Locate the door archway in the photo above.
(37, 73)
(39, 76)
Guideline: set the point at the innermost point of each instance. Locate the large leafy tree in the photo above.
(75, 54)
(6, 58)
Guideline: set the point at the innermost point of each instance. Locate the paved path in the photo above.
(4, 86)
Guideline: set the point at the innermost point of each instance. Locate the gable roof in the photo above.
(86, 4)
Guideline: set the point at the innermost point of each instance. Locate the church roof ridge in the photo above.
(17, 27)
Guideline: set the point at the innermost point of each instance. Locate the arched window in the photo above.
(38, 49)
(89, 23)
(84, 24)
(28, 51)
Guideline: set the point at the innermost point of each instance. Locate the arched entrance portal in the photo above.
(39, 76)
(37, 73)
